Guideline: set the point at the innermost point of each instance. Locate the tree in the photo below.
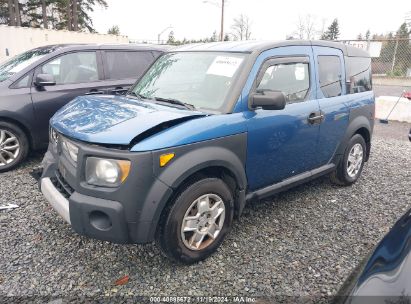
(226, 37)
(306, 28)
(396, 51)
(114, 30)
(359, 37)
(214, 37)
(77, 13)
(14, 15)
(402, 51)
(333, 31)
(171, 38)
(38, 13)
(242, 27)
(367, 34)
(4, 12)
(72, 15)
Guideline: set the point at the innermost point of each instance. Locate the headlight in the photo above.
(69, 149)
(106, 172)
(54, 137)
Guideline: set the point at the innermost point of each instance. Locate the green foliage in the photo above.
(333, 31)
(4, 12)
(114, 30)
(396, 51)
(59, 14)
(214, 38)
(171, 38)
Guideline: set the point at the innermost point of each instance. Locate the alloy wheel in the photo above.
(203, 221)
(355, 159)
(9, 147)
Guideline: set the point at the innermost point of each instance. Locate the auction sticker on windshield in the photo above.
(224, 66)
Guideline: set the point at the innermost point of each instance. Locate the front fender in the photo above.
(228, 152)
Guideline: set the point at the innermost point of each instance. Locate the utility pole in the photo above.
(222, 15)
(222, 21)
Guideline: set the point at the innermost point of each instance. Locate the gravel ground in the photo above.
(304, 242)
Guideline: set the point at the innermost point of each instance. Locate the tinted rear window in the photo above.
(127, 64)
(358, 74)
(330, 75)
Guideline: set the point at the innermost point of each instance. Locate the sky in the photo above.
(271, 20)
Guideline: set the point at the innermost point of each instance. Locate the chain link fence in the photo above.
(390, 64)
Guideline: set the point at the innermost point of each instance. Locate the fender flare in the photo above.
(204, 157)
(353, 126)
(194, 160)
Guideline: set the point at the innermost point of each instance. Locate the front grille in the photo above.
(61, 185)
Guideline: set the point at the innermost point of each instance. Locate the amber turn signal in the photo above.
(165, 158)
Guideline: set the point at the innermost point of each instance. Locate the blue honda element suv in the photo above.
(207, 129)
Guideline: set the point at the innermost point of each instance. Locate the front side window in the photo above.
(329, 71)
(202, 79)
(18, 63)
(292, 79)
(80, 67)
(358, 74)
(127, 64)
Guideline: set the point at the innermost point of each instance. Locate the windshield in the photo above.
(201, 79)
(19, 62)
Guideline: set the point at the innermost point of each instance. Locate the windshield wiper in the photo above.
(132, 93)
(176, 102)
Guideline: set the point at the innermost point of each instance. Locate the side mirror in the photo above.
(45, 80)
(268, 100)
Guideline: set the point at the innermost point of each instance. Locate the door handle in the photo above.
(94, 92)
(315, 117)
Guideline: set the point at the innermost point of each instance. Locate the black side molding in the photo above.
(289, 182)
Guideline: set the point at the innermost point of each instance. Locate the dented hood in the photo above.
(114, 119)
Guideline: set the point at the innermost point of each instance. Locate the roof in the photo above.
(248, 46)
(130, 46)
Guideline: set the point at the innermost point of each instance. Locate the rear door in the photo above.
(76, 73)
(332, 99)
(123, 67)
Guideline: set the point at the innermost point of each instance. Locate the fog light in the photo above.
(100, 220)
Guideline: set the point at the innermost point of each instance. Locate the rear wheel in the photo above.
(350, 167)
(14, 146)
(195, 225)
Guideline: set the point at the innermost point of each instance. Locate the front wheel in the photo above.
(350, 167)
(195, 224)
(14, 146)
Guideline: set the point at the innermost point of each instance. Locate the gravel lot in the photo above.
(304, 242)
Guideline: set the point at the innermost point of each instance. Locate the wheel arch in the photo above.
(206, 162)
(22, 126)
(359, 125)
(365, 133)
(222, 158)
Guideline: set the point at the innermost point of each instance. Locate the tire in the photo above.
(10, 156)
(174, 243)
(344, 175)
